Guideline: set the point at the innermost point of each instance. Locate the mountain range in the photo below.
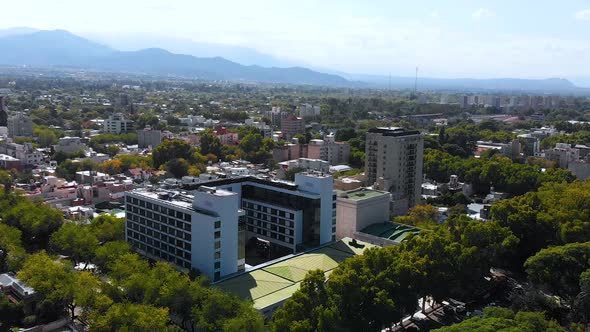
(60, 48)
(208, 61)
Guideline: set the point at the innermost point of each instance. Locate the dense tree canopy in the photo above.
(483, 173)
(504, 320)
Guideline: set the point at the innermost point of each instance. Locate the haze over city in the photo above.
(454, 39)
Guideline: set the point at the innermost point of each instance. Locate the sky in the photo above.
(450, 38)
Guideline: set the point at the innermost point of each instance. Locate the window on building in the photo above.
(217, 234)
(217, 265)
(217, 255)
(218, 224)
(217, 245)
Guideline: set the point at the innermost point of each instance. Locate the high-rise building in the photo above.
(117, 124)
(292, 216)
(291, 126)
(191, 231)
(20, 124)
(3, 113)
(463, 101)
(394, 158)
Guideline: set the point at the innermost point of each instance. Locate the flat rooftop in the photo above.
(391, 230)
(362, 194)
(276, 282)
(393, 131)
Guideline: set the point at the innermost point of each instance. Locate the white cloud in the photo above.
(434, 14)
(482, 13)
(582, 14)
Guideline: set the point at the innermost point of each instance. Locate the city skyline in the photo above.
(461, 38)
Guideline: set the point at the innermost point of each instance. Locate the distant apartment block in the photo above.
(26, 153)
(308, 111)
(276, 116)
(117, 124)
(20, 124)
(69, 144)
(291, 126)
(289, 151)
(394, 164)
(335, 153)
(149, 137)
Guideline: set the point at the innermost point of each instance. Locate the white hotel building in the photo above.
(207, 229)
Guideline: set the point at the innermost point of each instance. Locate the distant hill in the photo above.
(517, 85)
(242, 55)
(48, 48)
(62, 48)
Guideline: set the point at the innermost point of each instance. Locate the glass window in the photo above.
(217, 255)
(217, 234)
(218, 224)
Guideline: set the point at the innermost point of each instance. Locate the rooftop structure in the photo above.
(357, 209)
(270, 285)
(386, 234)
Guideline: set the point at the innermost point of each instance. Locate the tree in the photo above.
(108, 228)
(169, 149)
(582, 300)
(210, 144)
(6, 181)
(423, 214)
(309, 309)
(558, 269)
(247, 319)
(109, 253)
(223, 310)
(504, 320)
(46, 137)
(54, 280)
(132, 317)
(178, 167)
(76, 241)
(35, 220)
(12, 254)
(344, 134)
(67, 169)
(556, 214)
(111, 166)
(10, 313)
(88, 295)
(112, 150)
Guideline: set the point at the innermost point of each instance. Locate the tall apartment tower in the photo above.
(3, 113)
(394, 158)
